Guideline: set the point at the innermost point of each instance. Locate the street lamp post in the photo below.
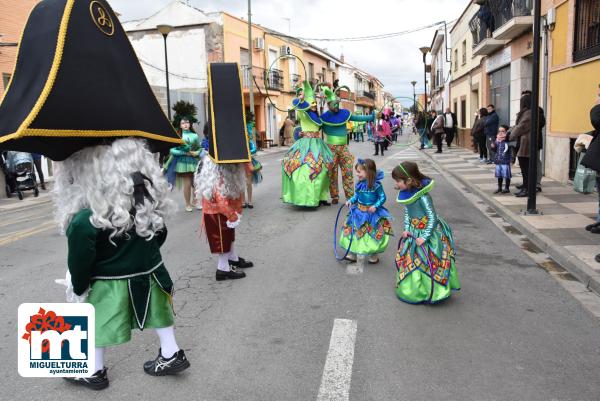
(425, 50)
(165, 30)
(535, 116)
(413, 83)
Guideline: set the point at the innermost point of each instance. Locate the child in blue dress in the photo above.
(367, 229)
(502, 160)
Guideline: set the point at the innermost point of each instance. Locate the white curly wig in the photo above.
(99, 178)
(228, 179)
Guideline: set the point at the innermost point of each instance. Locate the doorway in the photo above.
(500, 93)
(272, 129)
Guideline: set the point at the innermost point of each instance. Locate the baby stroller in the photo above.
(18, 170)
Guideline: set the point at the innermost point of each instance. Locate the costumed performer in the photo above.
(255, 173)
(221, 181)
(110, 194)
(183, 162)
(334, 126)
(368, 223)
(425, 259)
(305, 177)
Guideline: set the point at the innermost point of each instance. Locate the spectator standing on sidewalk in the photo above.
(37, 160)
(522, 133)
(437, 127)
(288, 131)
(540, 142)
(450, 126)
(592, 159)
(478, 133)
(491, 124)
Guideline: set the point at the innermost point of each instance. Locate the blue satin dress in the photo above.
(371, 230)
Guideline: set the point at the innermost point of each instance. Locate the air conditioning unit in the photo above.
(331, 65)
(285, 50)
(259, 43)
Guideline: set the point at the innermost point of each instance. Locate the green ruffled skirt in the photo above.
(114, 314)
(366, 243)
(305, 179)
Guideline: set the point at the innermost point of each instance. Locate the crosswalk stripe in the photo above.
(337, 373)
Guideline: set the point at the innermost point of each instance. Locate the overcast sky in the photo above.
(395, 61)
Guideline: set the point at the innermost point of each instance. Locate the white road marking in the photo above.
(337, 373)
(356, 267)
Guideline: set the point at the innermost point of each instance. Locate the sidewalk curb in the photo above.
(576, 267)
(273, 152)
(22, 207)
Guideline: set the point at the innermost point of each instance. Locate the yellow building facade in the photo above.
(573, 79)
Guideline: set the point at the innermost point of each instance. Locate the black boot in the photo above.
(98, 381)
(499, 190)
(162, 366)
(241, 263)
(230, 275)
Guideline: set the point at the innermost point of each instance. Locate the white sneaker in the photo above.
(189, 209)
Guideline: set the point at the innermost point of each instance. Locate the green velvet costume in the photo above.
(129, 284)
(417, 265)
(305, 179)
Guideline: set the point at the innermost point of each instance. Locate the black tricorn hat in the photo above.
(228, 139)
(77, 83)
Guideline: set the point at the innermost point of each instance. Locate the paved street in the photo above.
(514, 332)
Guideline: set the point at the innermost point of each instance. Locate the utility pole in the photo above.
(535, 115)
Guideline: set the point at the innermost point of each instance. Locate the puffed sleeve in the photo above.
(381, 198)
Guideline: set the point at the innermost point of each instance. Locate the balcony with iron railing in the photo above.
(512, 18)
(482, 28)
(257, 75)
(294, 81)
(272, 79)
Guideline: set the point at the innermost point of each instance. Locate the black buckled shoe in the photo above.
(241, 263)
(230, 275)
(162, 366)
(98, 381)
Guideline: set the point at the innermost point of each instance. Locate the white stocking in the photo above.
(224, 262)
(232, 255)
(168, 346)
(99, 359)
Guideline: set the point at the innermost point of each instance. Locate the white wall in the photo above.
(521, 71)
(346, 77)
(186, 54)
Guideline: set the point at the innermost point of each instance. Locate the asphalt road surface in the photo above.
(302, 326)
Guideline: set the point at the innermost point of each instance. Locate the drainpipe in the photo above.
(545, 92)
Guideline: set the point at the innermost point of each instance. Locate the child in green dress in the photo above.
(425, 258)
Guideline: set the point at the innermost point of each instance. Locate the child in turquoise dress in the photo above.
(367, 229)
(425, 258)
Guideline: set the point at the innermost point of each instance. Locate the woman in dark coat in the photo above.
(522, 133)
(478, 133)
